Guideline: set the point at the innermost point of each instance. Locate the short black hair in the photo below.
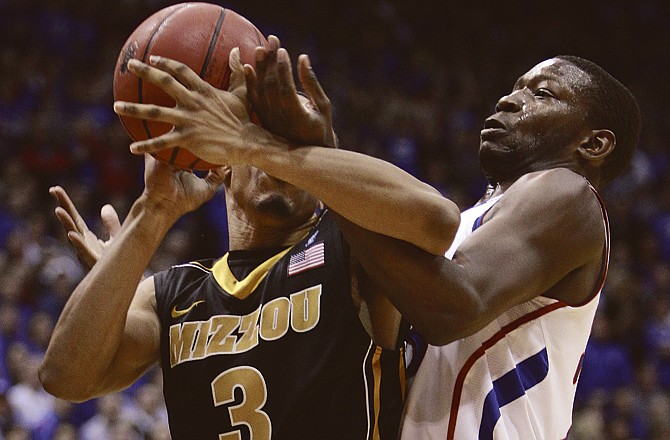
(612, 106)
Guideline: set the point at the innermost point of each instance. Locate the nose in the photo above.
(510, 103)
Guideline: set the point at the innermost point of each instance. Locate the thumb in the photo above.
(238, 84)
(110, 219)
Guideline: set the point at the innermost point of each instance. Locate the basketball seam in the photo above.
(212, 43)
(144, 59)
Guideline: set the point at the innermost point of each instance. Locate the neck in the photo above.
(244, 234)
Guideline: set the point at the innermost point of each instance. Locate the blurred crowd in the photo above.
(409, 83)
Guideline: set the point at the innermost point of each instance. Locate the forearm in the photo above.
(91, 327)
(369, 192)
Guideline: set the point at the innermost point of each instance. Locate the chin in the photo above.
(499, 165)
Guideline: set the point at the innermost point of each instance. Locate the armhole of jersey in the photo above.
(158, 285)
(604, 266)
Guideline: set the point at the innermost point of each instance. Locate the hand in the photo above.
(272, 95)
(88, 246)
(213, 124)
(178, 190)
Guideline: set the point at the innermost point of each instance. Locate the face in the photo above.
(267, 201)
(538, 125)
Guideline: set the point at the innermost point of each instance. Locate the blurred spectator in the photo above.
(112, 419)
(607, 365)
(31, 405)
(411, 82)
(657, 332)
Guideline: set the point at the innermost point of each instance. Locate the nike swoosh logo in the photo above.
(177, 313)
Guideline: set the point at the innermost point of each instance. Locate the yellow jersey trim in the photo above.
(243, 288)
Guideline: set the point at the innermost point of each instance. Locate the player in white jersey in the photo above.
(507, 316)
(516, 377)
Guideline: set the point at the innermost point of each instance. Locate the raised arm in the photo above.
(108, 333)
(215, 125)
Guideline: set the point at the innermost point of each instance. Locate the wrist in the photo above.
(161, 213)
(260, 144)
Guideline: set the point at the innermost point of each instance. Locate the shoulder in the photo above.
(556, 202)
(554, 184)
(555, 193)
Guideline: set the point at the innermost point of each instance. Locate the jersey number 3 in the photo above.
(249, 411)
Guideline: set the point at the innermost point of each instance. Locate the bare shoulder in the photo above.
(556, 202)
(554, 184)
(558, 193)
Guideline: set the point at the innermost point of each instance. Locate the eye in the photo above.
(543, 93)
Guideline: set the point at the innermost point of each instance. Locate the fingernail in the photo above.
(153, 59)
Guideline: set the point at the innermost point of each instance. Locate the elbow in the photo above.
(62, 385)
(451, 325)
(440, 226)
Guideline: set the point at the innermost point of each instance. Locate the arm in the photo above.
(109, 333)
(214, 125)
(519, 253)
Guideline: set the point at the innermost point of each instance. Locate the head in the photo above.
(564, 112)
(266, 202)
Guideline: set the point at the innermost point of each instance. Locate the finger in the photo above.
(69, 209)
(259, 57)
(110, 219)
(84, 253)
(165, 141)
(274, 43)
(312, 87)
(160, 79)
(66, 220)
(238, 84)
(266, 60)
(252, 85)
(285, 73)
(180, 71)
(149, 112)
(216, 176)
(214, 180)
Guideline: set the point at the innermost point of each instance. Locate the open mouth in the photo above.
(492, 123)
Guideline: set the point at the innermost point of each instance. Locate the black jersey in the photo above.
(278, 354)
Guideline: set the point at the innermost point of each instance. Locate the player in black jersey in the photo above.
(283, 337)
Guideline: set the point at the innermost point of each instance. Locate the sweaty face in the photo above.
(269, 201)
(538, 125)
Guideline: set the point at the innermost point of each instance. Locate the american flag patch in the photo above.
(308, 259)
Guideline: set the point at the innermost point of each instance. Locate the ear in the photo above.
(597, 146)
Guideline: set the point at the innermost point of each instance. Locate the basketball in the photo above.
(200, 35)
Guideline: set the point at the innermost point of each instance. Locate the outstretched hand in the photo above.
(88, 246)
(212, 124)
(271, 91)
(181, 190)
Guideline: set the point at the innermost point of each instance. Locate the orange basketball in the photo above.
(200, 35)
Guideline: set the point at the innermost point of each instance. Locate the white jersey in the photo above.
(514, 379)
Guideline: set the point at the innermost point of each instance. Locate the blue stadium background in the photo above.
(410, 82)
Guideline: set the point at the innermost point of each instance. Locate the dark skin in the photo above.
(544, 238)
